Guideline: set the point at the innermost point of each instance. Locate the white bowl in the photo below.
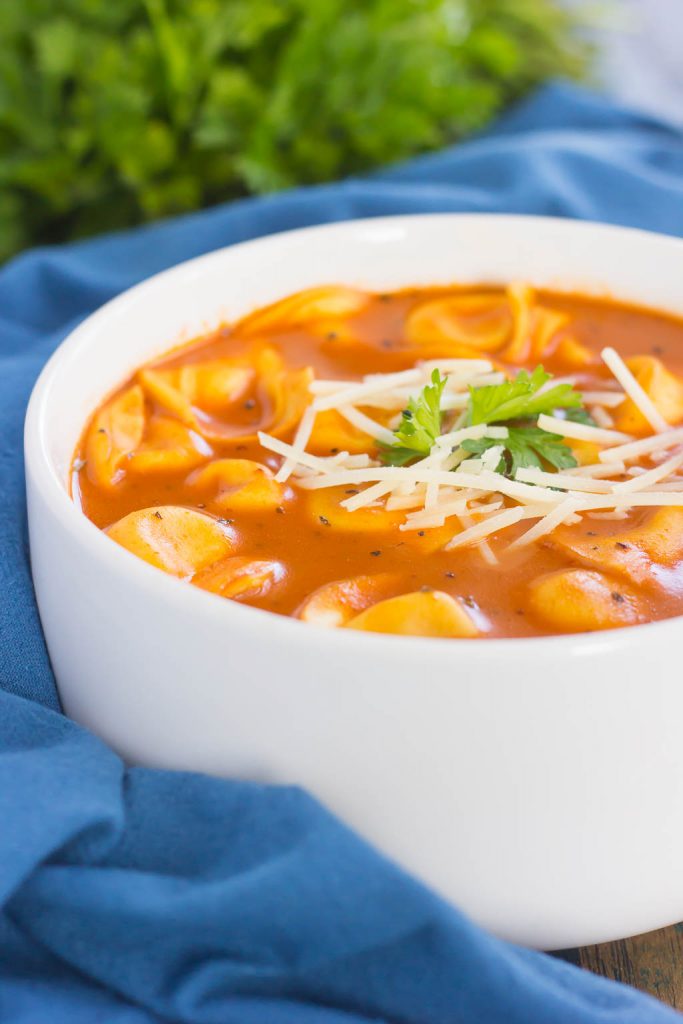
(538, 783)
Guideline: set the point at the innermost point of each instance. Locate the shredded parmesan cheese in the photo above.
(636, 449)
(652, 476)
(635, 392)
(581, 431)
(301, 439)
(547, 524)
(607, 399)
(531, 475)
(490, 525)
(362, 422)
(601, 417)
(369, 386)
(456, 437)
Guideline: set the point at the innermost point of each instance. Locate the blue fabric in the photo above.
(136, 895)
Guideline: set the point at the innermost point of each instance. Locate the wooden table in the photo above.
(652, 963)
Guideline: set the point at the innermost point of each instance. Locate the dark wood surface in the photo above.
(652, 963)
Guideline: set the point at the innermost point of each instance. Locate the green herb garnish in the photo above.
(419, 427)
(524, 447)
(517, 404)
(519, 399)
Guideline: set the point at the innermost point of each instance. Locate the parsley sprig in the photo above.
(516, 403)
(419, 427)
(523, 447)
(520, 399)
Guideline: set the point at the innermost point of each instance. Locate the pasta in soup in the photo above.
(451, 462)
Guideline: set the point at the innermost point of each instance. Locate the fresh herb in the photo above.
(520, 398)
(419, 427)
(580, 416)
(518, 403)
(525, 447)
(119, 112)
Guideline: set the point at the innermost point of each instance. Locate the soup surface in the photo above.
(478, 462)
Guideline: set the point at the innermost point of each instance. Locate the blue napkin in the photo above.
(131, 895)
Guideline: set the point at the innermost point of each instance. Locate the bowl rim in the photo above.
(164, 588)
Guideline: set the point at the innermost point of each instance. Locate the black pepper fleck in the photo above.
(225, 522)
(620, 544)
(101, 430)
(352, 490)
(250, 404)
(450, 575)
(375, 554)
(420, 533)
(616, 596)
(280, 510)
(469, 601)
(591, 533)
(158, 515)
(331, 335)
(324, 521)
(333, 451)
(657, 350)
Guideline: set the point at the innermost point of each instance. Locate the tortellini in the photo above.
(181, 541)
(241, 484)
(662, 386)
(195, 547)
(581, 600)
(423, 613)
(629, 553)
(335, 604)
(115, 432)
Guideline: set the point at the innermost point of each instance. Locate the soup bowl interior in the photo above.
(538, 783)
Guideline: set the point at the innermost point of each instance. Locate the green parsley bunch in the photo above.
(113, 113)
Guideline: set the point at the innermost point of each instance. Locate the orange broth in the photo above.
(311, 547)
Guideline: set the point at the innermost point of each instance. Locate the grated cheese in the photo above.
(608, 399)
(635, 392)
(651, 476)
(601, 417)
(635, 449)
(301, 439)
(366, 497)
(456, 437)
(581, 431)
(597, 469)
(273, 444)
(531, 475)
(479, 531)
(449, 483)
(547, 524)
(362, 422)
(623, 514)
(369, 386)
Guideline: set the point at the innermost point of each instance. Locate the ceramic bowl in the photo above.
(537, 783)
